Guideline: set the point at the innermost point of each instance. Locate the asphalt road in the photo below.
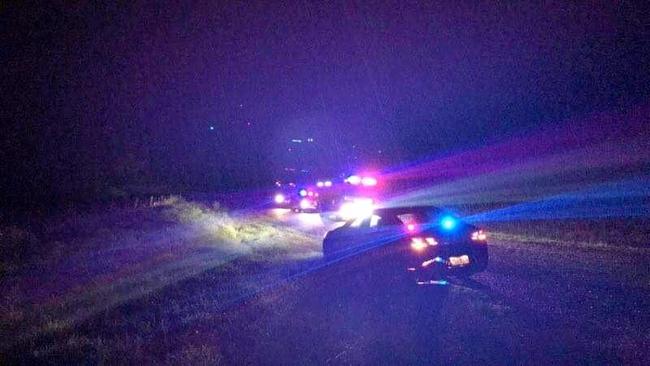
(536, 303)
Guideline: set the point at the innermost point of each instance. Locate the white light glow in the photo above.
(305, 204)
(354, 180)
(369, 181)
(359, 208)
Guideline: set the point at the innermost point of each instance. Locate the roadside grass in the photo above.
(73, 298)
(162, 283)
(631, 234)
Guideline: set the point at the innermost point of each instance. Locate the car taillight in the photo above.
(479, 235)
(420, 244)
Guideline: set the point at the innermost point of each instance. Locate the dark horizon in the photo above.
(125, 100)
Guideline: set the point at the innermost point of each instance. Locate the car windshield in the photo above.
(396, 216)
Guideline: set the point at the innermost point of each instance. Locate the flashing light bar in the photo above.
(448, 223)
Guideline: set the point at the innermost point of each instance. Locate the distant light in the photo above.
(369, 181)
(297, 141)
(410, 227)
(303, 192)
(354, 179)
(320, 184)
(310, 193)
(448, 222)
(305, 204)
(310, 139)
(328, 183)
(279, 198)
(211, 128)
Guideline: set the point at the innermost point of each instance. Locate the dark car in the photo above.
(423, 241)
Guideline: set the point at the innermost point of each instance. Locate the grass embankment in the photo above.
(72, 291)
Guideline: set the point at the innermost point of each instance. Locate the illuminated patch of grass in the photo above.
(97, 264)
(236, 233)
(623, 234)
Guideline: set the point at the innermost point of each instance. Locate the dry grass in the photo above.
(164, 284)
(99, 264)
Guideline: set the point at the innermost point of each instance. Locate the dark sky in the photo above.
(125, 94)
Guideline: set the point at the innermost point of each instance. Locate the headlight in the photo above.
(354, 180)
(355, 209)
(279, 198)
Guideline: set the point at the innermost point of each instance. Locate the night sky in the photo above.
(117, 100)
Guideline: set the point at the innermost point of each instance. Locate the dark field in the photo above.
(181, 283)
